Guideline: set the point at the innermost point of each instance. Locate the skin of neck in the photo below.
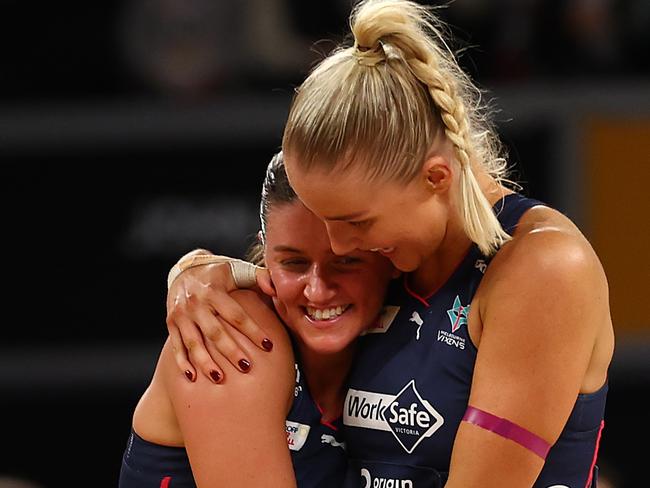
(326, 376)
(437, 267)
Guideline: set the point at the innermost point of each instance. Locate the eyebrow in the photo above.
(346, 216)
(286, 249)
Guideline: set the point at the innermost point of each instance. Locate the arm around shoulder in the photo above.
(234, 431)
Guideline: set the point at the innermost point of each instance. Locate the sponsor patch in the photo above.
(378, 482)
(408, 416)
(296, 434)
(384, 322)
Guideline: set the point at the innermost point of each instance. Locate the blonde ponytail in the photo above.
(381, 102)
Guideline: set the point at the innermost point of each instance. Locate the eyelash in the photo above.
(349, 260)
(360, 223)
(343, 261)
(293, 262)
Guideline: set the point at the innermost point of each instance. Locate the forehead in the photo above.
(338, 193)
(292, 224)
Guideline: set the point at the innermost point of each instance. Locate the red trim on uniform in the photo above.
(413, 294)
(165, 482)
(327, 424)
(593, 462)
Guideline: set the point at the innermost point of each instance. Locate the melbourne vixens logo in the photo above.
(457, 316)
(408, 416)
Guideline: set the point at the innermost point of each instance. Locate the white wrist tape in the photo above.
(243, 273)
(190, 261)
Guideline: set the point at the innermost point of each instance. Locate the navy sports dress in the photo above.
(410, 387)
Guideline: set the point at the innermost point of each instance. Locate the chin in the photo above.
(403, 265)
(328, 345)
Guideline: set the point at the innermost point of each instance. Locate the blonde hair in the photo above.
(382, 101)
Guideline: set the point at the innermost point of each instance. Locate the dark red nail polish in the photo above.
(189, 375)
(244, 365)
(215, 375)
(267, 344)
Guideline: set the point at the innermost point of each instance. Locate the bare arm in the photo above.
(541, 311)
(234, 432)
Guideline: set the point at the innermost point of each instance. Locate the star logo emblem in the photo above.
(458, 314)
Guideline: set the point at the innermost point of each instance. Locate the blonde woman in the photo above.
(494, 371)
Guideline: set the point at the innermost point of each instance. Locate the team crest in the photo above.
(458, 314)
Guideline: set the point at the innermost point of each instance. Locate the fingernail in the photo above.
(189, 375)
(267, 344)
(215, 375)
(244, 365)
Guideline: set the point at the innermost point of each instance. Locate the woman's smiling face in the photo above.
(325, 300)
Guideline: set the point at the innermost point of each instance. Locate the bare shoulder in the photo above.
(548, 245)
(545, 324)
(547, 291)
(272, 373)
(170, 397)
(548, 265)
(153, 418)
(234, 432)
(260, 308)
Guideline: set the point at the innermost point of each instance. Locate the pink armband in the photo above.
(507, 429)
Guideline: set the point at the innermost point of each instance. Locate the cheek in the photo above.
(387, 234)
(368, 290)
(288, 289)
(411, 236)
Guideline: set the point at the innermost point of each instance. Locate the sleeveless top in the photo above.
(317, 451)
(410, 385)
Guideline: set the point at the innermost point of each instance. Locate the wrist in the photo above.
(242, 272)
(198, 257)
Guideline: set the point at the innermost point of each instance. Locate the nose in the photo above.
(319, 288)
(342, 241)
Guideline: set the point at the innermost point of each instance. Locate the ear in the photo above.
(265, 283)
(437, 172)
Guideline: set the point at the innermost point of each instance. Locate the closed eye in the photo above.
(359, 223)
(294, 264)
(348, 260)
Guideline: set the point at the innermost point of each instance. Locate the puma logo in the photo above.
(415, 317)
(329, 439)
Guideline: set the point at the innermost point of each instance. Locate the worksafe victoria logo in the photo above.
(408, 416)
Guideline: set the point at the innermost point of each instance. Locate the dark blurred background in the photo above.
(134, 131)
